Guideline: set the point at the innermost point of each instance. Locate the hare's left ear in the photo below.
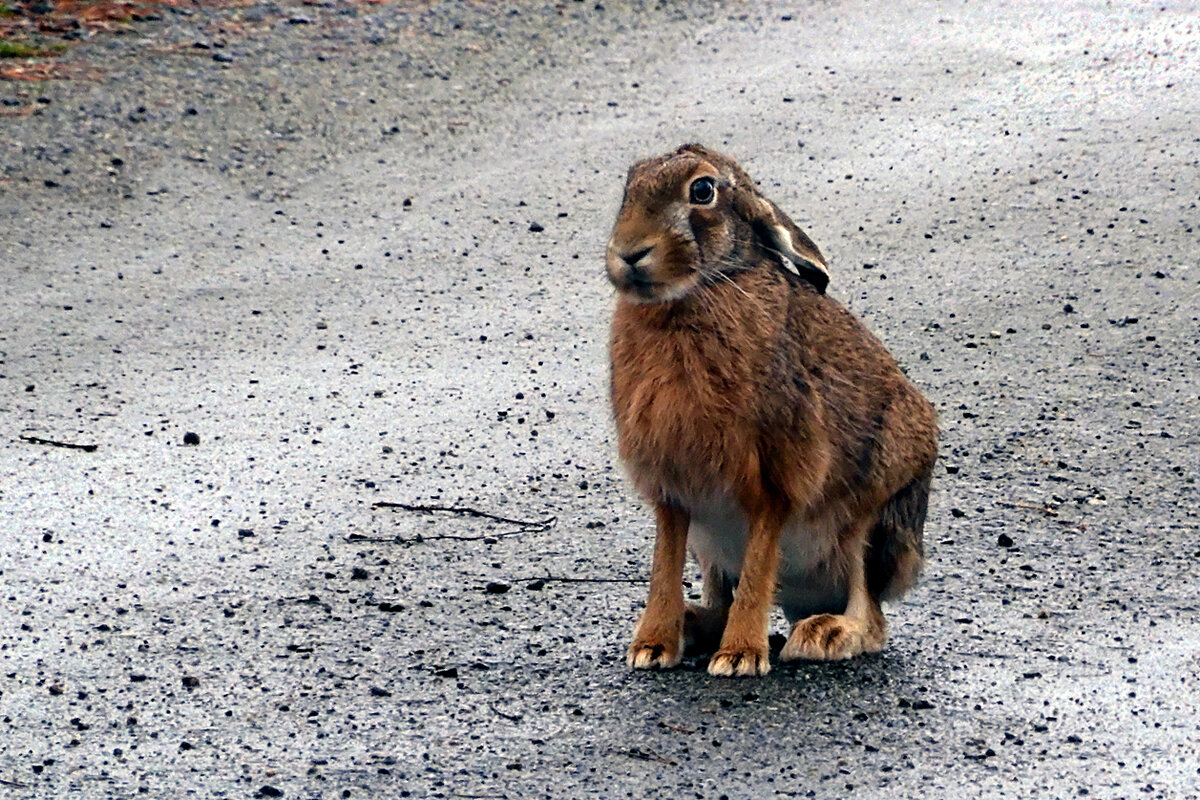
(775, 231)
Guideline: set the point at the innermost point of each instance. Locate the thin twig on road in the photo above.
(468, 512)
(1049, 512)
(510, 717)
(419, 539)
(646, 755)
(524, 525)
(564, 579)
(87, 448)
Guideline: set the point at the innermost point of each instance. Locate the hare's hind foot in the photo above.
(704, 622)
(834, 637)
(859, 629)
(702, 627)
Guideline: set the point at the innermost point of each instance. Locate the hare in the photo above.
(772, 433)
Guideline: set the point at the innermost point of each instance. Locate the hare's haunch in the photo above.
(773, 434)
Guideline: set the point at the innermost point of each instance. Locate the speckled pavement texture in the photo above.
(359, 258)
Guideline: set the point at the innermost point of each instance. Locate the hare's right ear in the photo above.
(775, 231)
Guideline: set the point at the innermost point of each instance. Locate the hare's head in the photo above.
(694, 216)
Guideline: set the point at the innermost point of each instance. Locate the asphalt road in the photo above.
(356, 251)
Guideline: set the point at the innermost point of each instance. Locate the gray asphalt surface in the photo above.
(359, 257)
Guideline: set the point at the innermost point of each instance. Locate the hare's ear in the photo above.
(776, 231)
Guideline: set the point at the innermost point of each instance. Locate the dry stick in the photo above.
(525, 525)
(1049, 512)
(87, 448)
(510, 717)
(645, 755)
(551, 578)
(470, 512)
(418, 539)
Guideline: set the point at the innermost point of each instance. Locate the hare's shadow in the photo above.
(895, 677)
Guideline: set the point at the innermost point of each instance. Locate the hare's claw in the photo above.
(740, 663)
(652, 653)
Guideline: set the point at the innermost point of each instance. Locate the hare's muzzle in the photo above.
(650, 269)
(631, 269)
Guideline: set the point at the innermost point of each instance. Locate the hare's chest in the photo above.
(678, 433)
(685, 398)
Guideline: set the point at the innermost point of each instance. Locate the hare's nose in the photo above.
(634, 256)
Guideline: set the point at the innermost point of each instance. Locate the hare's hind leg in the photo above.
(897, 550)
(883, 560)
(860, 629)
(704, 623)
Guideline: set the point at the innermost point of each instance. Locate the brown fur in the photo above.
(734, 376)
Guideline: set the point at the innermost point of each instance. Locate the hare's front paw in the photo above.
(650, 651)
(740, 662)
(831, 637)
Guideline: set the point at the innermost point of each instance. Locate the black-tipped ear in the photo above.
(775, 231)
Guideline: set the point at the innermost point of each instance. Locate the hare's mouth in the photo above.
(646, 274)
(641, 283)
(641, 289)
(634, 279)
(646, 290)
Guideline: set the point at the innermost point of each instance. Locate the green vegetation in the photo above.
(26, 50)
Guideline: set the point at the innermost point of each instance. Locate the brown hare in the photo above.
(773, 434)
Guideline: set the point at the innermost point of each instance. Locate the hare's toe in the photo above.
(740, 663)
(648, 653)
(831, 637)
(702, 628)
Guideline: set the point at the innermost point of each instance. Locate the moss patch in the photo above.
(11, 49)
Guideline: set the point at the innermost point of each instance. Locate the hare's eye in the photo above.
(703, 191)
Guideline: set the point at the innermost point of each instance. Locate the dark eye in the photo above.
(703, 191)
